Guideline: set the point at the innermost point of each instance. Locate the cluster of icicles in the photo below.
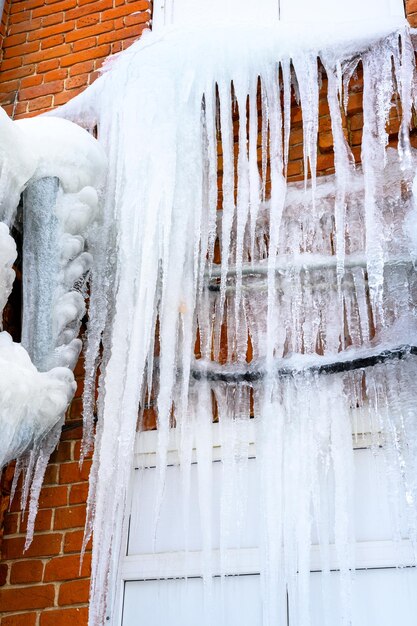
(306, 272)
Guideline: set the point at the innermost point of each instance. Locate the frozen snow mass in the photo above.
(182, 217)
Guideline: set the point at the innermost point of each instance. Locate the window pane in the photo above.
(180, 602)
(374, 514)
(385, 597)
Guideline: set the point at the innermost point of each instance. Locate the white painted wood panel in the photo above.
(188, 12)
(339, 10)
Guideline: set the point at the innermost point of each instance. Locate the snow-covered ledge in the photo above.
(59, 168)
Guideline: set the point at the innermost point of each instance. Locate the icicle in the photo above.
(343, 159)
(307, 78)
(376, 66)
(286, 79)
(226, 128)
(254, 179)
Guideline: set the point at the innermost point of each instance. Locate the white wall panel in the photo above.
(187, 12)
(339, 10)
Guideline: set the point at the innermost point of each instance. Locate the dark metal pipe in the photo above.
(336, 367)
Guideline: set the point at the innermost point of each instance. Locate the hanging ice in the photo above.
(306, 271)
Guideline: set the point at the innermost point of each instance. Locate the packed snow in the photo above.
(308, 272)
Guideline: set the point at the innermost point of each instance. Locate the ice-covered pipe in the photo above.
(59, 167)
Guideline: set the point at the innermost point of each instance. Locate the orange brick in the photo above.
(138, 5)
(25, 26)
(326, 141)
(295, 168)
(4, 569)
(51, 53)
(16, 7)
(51, 475)
(74, 592)
(70, 517)
(84, 44)
(24, 572)
(9, 64)
(42, 545)
(76, 408)
(42, 522)
(64, 450)
(11, 85)
(356, 121)
(325, 123)
(76, 81)
(16, 18)
(31, 81)
(21, 619)
(14, 40)
(88, 31)
(38, 597)
(65, 617)
(118, 35)
(21, 50)
(47, 66)
(53, 497)
(136, 18)
(50, 31)
(45, 89)
(325, 161)
(55, 18)
(50, 9)
(67, 568)
(355, 103)
(85, 55)
(62, 98)
(11, 522)
(19, 72)
(99, 6)
(73, 541)
(20, 108)
(72, 473)
(80, 68)
(77, 451)
(56, 74)
(50, 42)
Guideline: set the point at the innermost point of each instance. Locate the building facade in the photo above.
(50, 52)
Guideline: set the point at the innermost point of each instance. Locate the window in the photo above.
(162, 584)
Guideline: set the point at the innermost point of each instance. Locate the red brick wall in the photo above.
(411, 8)
(52, 50)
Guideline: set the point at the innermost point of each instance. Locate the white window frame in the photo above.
(164, 11)
(379, 554)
